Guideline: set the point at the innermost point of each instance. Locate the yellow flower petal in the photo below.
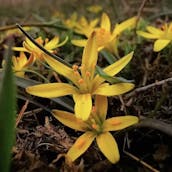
(31, 48)
(51, 90)
(22, 59)
(105, 22)
(52, 44)
(119, 123)
(69, 120)
(112, 46)
(30, 44)
(79, 43)
(19, 49)
(170, 27)
(94, 22)
(60, 68)
(101, 105)
(108, 147)
(81, 145)
(94, 8)
(30, 60)
(131, 22)
(83, 105)
(113, 90)
(154, 30)
(63, 42)
(147, 35)
(90, 54)
(160, 44)
(83, 21)
(114, 68)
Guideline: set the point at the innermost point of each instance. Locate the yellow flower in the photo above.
(71, 22)
(85, 82)
(84, 27)
(21, 63)
(105, 37)
(163, 36)
(16, 31)
(30, 47)
(94, 9)
(96, 127)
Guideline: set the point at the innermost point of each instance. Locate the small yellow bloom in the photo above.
(94, 9)
(162, 35)
(106, 39)
(96, 127)
(85, 82)
(84, 27)
(16, 31)
(71, 22)
(47, 44)
(21, 63)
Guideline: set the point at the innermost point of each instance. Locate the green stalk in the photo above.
(7, 113)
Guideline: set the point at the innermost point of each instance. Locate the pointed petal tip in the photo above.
(108, 146)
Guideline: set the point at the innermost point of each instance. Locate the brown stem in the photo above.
(155, 124)
(157, 83)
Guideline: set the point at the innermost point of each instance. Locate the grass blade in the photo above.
(7, 114)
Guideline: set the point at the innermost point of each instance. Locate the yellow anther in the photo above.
(39, 40)
(95, 126)
(81, 81)
(75, 67)
(93, 109)
(76, 73)
(88, 74)
(79, 143)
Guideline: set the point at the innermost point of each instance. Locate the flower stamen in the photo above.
(75, 67)
(88, 74)
(81, 81)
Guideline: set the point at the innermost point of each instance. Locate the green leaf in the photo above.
(108, 56)
(23, 83)
(7, 114)
(111, 79)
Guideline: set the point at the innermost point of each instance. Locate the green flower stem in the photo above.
(38, 74)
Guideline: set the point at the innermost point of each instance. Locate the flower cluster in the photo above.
(106, 39)
(86, 84)
(88, 88)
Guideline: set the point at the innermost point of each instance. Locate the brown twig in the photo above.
(20, 115)
(137, 159)
(141, 161)
(140, 11)
(31, 112)
(155, 124)
(157, 83)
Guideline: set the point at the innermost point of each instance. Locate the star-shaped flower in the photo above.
(163, 35)
(106, 39)
(47, 44)
(86, 82)
(96, 127)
